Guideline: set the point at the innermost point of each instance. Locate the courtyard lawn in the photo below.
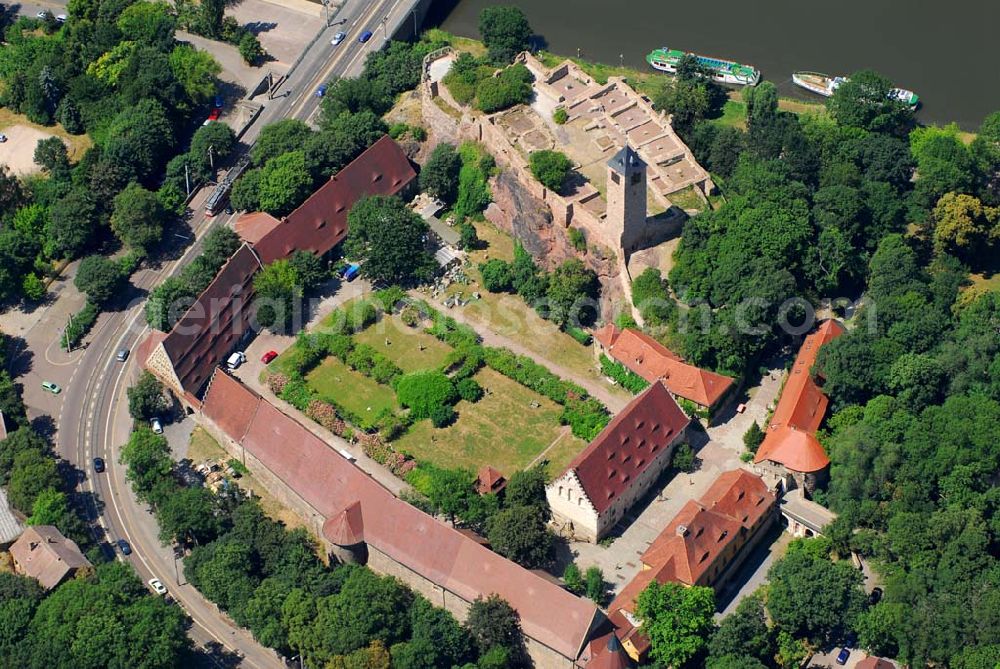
(353, 391)
(405, 344)
(501, 430)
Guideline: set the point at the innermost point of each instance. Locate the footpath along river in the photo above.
(946, 52)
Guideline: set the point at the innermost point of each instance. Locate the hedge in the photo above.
(624, 376)
(79, 325)
(580, 335)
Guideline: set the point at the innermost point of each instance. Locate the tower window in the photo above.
(636, 178)
(614, 177)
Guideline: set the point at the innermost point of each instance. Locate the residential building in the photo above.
(362, 522)
(619, 466)
(790, 451)
(489, 480)
(45, 555)
(10, 526)
(653, 361)
(703, 545)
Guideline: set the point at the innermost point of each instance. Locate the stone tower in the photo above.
(626, 216)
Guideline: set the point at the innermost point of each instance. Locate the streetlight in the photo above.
(385, 35)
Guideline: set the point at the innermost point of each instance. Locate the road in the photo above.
(93, 419)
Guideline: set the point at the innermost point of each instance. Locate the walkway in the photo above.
(491, 338)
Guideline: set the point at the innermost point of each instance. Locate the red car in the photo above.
(213, 116)
(268, 357)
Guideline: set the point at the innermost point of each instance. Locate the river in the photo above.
(945, 51)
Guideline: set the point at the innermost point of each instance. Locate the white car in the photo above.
(3, 138)
(157, 586)
(43, 14)
(61, 18)
(156, 425)
(338, 38)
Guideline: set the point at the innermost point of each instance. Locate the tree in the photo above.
(596, 586)
(650, 296)
(519, 533)
(551, 168)
(145, 399)
(138, 217)
(71, 226)
(17, 253)
(34, 472)
(277, 289)
(22, 440)
(944, 164)
(210, 144)
(33, 288)
(250, 49)
(571, 286)
(573, 579)
(687, 102)
(151, 23)
(51, 156)
(309, 269)
(147, 456)
(439, 176)
(100, 278)
(137, 144)
(676, 619)
(196, 71)
(865, 101)
(505, 32)
(368, 607)
(441, 640)
(809, 596)
(19, 596)
(279, 138)
(526, 487)
(245, 196)
(188, 514)
(49, 508)
(744, 633)
(963, 225)
(492, 622)
(387, 238)
(423, 391)
(496, 275)
(511, 87)
(284, 183)
(753, 437)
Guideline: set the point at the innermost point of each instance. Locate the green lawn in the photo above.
(405, 344)
(353, 391)
(501, 430)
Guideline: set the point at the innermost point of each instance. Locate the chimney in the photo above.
(682, 530)
(33, 545)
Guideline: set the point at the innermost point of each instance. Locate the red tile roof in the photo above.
(652, 360)
(789, 440)
(147, 345)
(214, 324)
(690, 545)
(629, 444)
(320, 222)
(489, 480)
(347, 528)
(254, 225)
(607, 653)
(44, 554)
(874, 663)
(332, 485)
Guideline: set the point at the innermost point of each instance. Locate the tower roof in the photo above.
(626, 161)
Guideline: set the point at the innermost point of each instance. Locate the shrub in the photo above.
(622, 375)
(469, 390)
(397, 130)
(362, 359)
(512, 86)
(580, 335)
(585, 416)
(338, 345)
(390, 426)
(560, 116)
(573, 579)
(297, 393)
(578, 239)
(684, 459)
(442, 415)
(277, 382)
(497, 275)
(421, 392)
(650, 296)
(551, 168)
(753, 438)
(80, 325)
(385, 370)
(463, 362)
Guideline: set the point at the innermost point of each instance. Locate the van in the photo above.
(235, 360)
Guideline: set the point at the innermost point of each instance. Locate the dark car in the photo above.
(843, 655)
(365, 36)
(875, 597)
(218, 102)
(98, 465)
(124, 547)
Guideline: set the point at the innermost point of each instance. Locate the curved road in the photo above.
(94, 421)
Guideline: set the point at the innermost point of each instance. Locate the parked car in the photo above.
(218, 102)
(843, 655)
(44, 14)
(268, 357)
(875, 597)
(99, 465)
(351, 271)
(51, 387)
(338, 38)
(61, 18)
(124, 547)
(229, 209)
(122, 355)
(213, 116)
(156, 426)
(365, 36)
(235, 360)
(3, 138)
(157, 586)
(321, 91)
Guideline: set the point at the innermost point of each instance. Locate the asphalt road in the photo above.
(93, 419)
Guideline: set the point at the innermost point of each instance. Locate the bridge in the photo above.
(804, 517)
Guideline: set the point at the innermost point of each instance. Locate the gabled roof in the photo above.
(489, 480)
(652, 360)
(44, 554)
(700, 532)
(797, 450)
(230, 404)
(213, 326)
(629, 445)
(320, 223)
(330, 484)
(254, 225)
(789, 440)
(871, 662)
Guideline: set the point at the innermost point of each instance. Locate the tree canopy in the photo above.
(388, 239)
(505, 31)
